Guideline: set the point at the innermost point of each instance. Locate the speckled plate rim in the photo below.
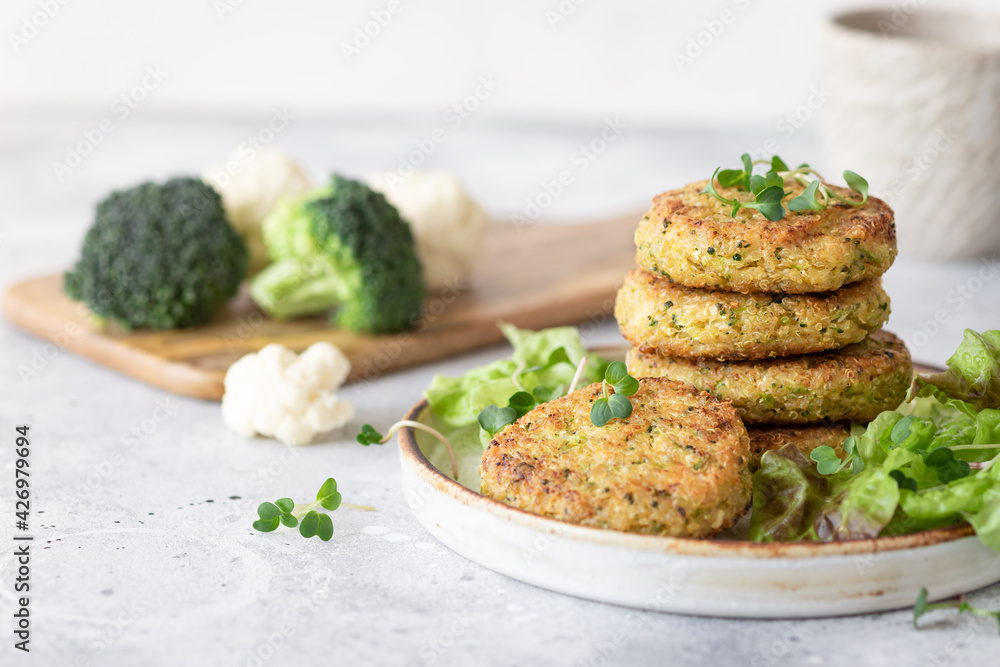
(411, 452)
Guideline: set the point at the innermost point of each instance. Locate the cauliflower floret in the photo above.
(448, 226)
(279, 394)
(250, 188)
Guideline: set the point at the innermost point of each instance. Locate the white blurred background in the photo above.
(741, 62)
(107, 93)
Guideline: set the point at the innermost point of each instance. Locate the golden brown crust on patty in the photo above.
(661, 317)
(805, 437)
(692, 239)
(677, 466)
(856, 382)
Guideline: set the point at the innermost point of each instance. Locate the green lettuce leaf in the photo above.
(933, 462)
(451, 398)
(972, 381)
(975, 499)
(543, 363)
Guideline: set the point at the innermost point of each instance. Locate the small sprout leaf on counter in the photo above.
(922, 606)
(310, 522)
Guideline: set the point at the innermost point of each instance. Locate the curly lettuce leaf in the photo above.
(536, 362)
(450, 398)
(972, 381)
(792, 501)
(933, 462)
(975, 499)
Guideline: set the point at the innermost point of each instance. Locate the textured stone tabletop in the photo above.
(142, 501)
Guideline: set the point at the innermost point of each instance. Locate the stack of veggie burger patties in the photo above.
(780, 317)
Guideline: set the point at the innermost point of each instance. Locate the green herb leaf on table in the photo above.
(369, 436)
(922, 606)
(328, 496)
(309, 525)
(310, 522)
(269, 516)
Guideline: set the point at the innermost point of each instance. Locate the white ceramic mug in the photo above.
(914, 107)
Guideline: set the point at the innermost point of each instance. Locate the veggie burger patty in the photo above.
(659, 316)
(805, 437)
(677, 466)
(856, 382)
(693, 240)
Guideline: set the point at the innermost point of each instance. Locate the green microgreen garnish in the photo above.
(769, 192)
(941, 460)
(369, 436)
(922, 606)
(946, 466)
(617, 405)
(311, 523)
(494, 418)
(828, 463)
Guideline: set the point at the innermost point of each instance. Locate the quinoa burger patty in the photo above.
(856, 382)
(661, 317)
(677, 466)
(692, 239)
(805, 437)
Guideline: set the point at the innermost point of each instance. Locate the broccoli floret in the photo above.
(159, 257)
(342, 247)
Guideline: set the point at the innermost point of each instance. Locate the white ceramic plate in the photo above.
(719, 577)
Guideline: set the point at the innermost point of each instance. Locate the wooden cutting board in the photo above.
(538, 276)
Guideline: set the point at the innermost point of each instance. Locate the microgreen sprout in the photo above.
(922, 606)
(828, 463)
(941, 460)
(769, 192)
(494, 418)
(617, 405)
(310, 523)
(369, 436)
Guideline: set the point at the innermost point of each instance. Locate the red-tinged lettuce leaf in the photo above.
(972, 381)
(786, 489)
(792, 501)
